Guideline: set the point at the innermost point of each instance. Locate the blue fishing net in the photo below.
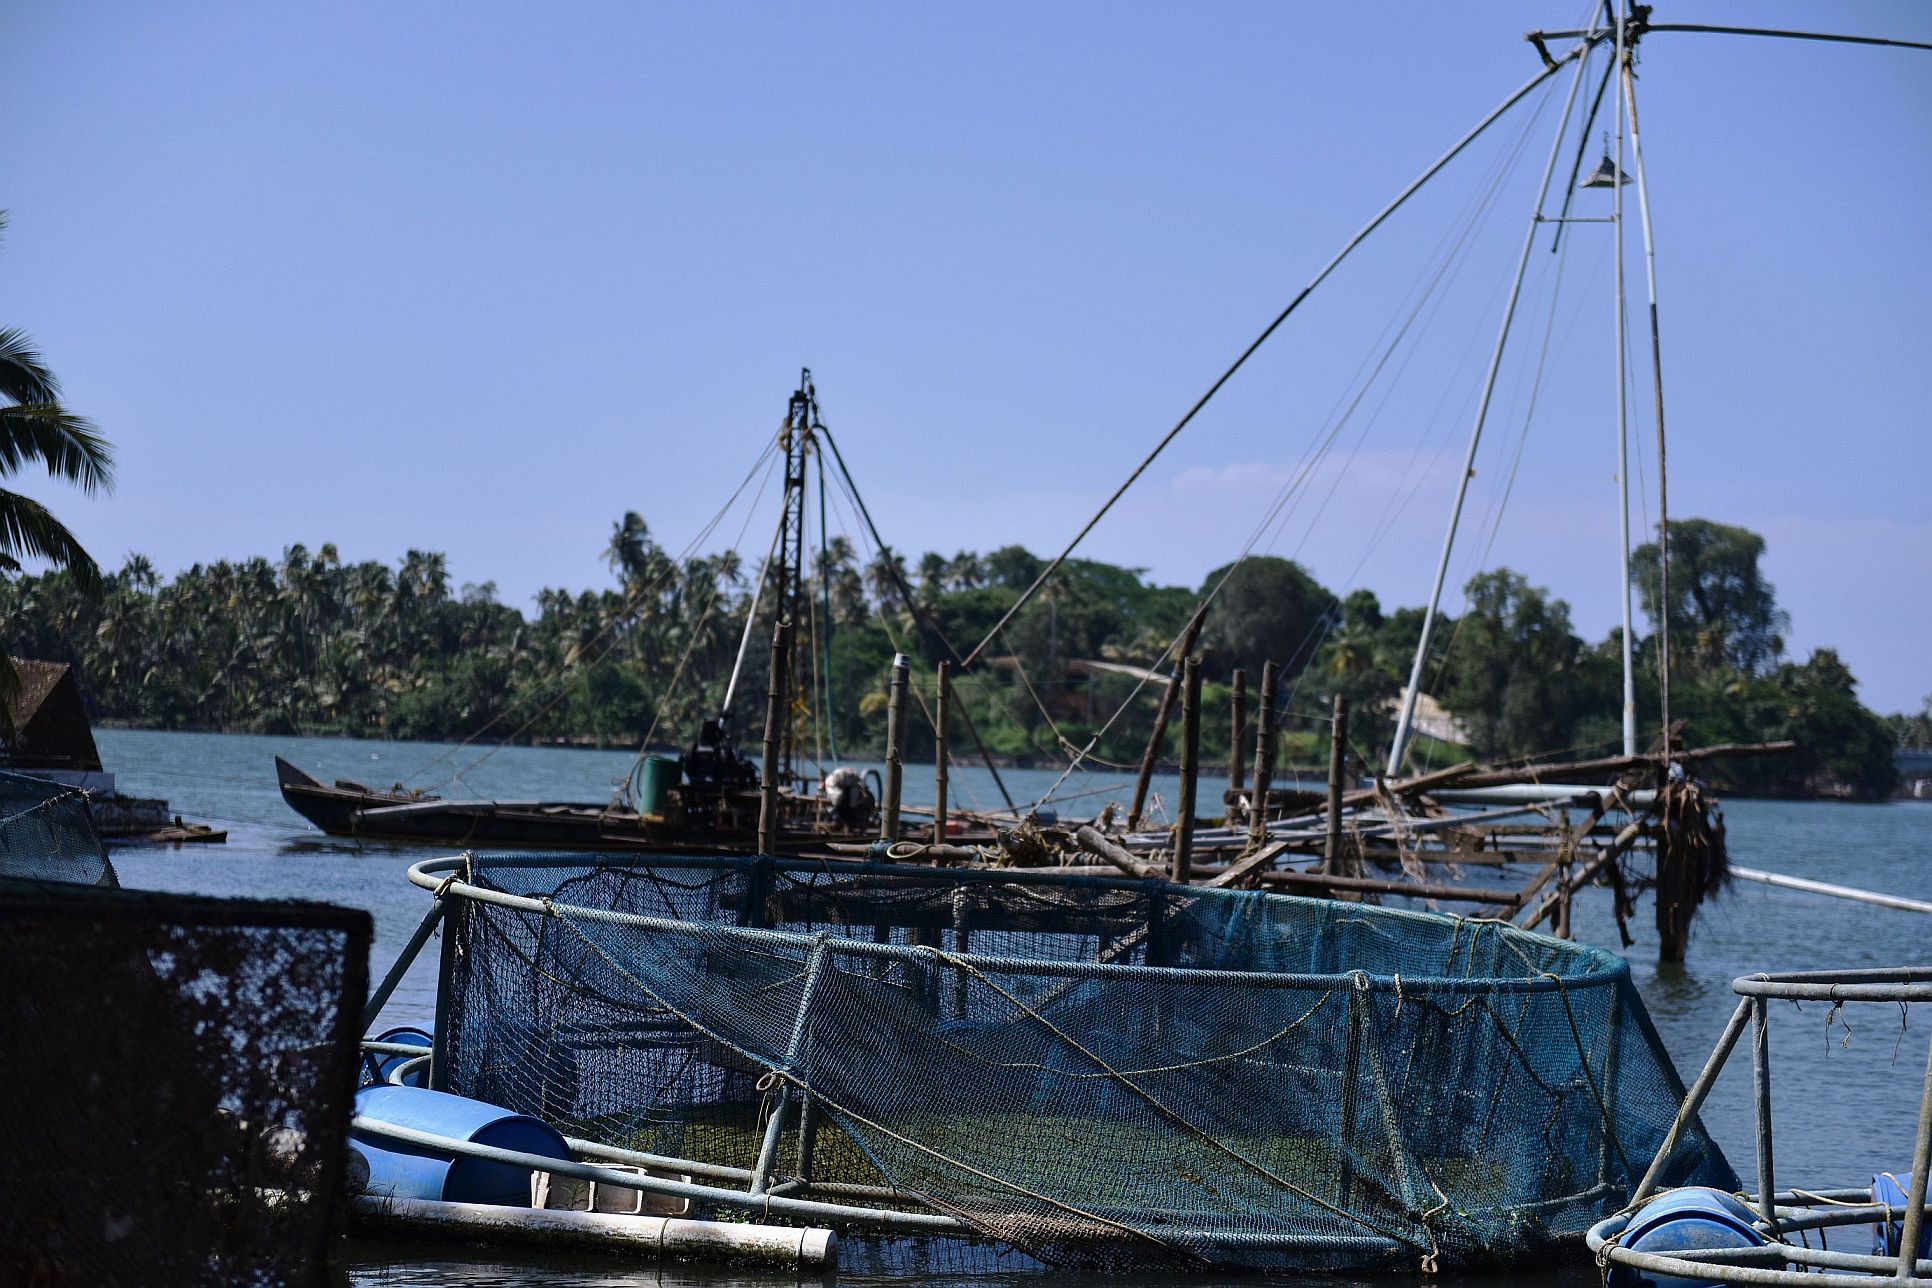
(47, 834)
(1107, 1074)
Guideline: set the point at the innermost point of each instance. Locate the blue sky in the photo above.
(480, 278)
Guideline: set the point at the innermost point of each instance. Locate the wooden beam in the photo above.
(1238, 873)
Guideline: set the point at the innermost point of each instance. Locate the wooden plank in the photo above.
(1238, 872)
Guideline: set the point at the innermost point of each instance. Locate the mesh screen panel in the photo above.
(1105, 1074)
(47, 834)
(178, 1074)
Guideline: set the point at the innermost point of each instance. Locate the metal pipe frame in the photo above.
(404, 960)
(764, 1192)
(1611, 969)
(1792, 1211)
(768, 1148)
(928, 1222)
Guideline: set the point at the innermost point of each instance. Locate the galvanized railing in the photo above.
(1789, 1212)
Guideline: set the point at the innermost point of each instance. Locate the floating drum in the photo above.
(1889, 1188)
(655, 780)
(402, 1170)
(377, 1066)
(1687, 1220)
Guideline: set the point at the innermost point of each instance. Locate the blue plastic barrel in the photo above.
(418, 1172)
(1685, 1220)
(1889, 1188)
(376, 1067)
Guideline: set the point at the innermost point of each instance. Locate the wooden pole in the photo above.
(1096, 844)
(942, 701)
(1190, 767)
(1148, 757)
(895, 749)
(1238, 733)
(1264, 759)
(781, 640)
(1321, 881)
(1337, 757)
(1674, 902)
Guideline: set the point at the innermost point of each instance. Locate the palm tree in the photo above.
(963, 571)
(932, 576)
(34, 426)
(630, 543)
(884, 576)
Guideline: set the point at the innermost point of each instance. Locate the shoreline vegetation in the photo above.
(310, 645)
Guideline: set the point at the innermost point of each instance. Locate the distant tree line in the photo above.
(310, 643)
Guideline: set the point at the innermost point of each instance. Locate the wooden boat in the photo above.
(714, 808)
(708, 801)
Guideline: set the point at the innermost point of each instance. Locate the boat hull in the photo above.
(341, 810)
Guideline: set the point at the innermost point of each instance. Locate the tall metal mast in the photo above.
(1628, 76)
(796, 439)
(1623, 427)
(1537, 219)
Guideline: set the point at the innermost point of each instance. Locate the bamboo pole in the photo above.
(941, 756)
(1100, 847)
(1238, 732)
(1322, 881)
(1253, 865)
(1264, 759)
(1412, 786)
(1603, 765)
(895, 749)
(781, 640)
(1337, 753)
(1825, 887)
(1190, 766)
(1152, 754)
(1552, 901)
(1629, 84)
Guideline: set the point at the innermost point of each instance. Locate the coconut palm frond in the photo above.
(24, 377)
(69, 445)
(28, 528)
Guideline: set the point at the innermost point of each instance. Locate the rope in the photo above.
(1262, 339)
(1589, 1075)
(837, 1106)
(636, 596)
(1276, 516)
(1160, 1107)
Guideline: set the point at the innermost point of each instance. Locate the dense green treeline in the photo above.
(309, 643)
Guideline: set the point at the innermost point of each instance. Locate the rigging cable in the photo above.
(1550, 69)
(608, 649)
(920, 618)
(1282, 506)
(691, 645)
(636, 596)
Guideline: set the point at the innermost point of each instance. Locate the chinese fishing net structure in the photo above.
(1107, 1074)
(178, 1070)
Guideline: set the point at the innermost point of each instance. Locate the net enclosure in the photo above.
(47, 833)
(1102, 1074)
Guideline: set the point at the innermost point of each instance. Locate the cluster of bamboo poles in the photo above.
(1415, 837)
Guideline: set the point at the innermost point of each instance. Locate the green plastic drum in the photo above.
(654, 783)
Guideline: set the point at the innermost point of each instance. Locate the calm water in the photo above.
(1844, 1108)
